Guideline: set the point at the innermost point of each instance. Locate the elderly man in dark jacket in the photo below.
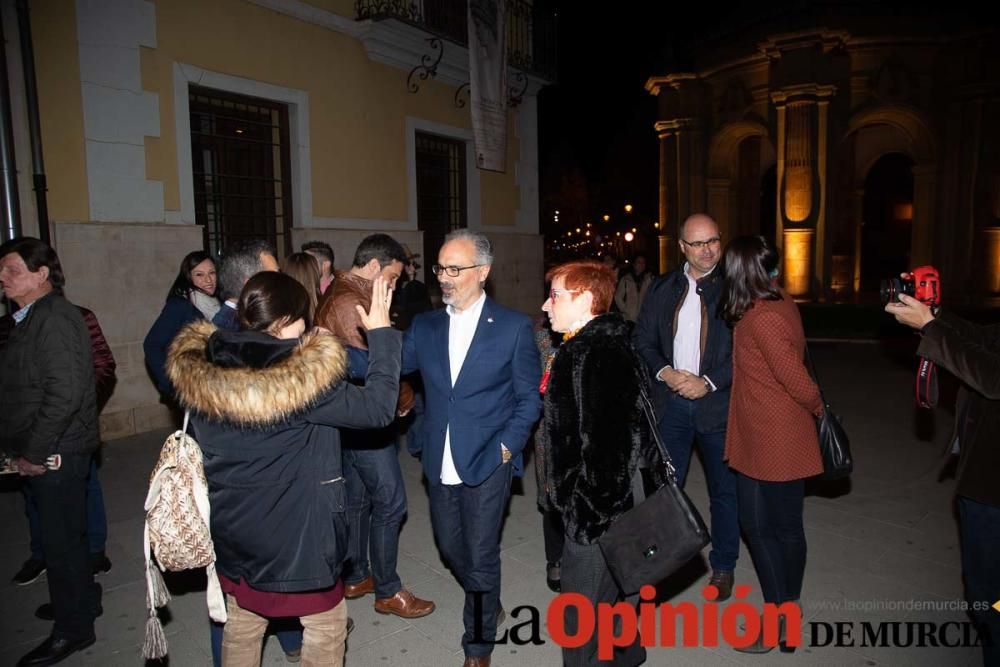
(972, 353)
(97, 521)
(50, 407)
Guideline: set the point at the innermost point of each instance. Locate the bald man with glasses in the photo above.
(688, 351)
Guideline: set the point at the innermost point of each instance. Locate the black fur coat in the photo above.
(596, 432)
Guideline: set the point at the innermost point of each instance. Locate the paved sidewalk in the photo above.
(887, 541)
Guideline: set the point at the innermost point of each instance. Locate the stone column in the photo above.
(681, 176)
(720, 205)
(666, 212)
(991, 252)
(858, 210)
(802, 183)
(924, 186)
(664, 250)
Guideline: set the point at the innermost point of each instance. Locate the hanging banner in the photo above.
(488, 81)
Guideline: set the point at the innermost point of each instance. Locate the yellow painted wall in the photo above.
(60, 101)
(357, 108)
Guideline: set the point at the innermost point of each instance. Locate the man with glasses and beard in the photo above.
(687, 348)
(480, 369)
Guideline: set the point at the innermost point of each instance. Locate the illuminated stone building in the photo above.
(862, 143)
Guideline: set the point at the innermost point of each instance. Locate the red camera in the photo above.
(922, 283)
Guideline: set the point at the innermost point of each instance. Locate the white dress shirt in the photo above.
(687, 340)
(461, 330)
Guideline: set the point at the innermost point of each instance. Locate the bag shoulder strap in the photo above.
(647, 409)
(811, 367)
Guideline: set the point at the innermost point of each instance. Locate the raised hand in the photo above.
(378, 314)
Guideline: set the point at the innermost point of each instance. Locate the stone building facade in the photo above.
(863, 144)
(349, 111)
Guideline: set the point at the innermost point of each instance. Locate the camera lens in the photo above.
(887, 290)
(891, 289)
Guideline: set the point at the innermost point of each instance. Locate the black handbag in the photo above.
(834, 446)
(661, 533)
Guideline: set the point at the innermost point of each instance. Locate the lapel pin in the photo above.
(490, 320)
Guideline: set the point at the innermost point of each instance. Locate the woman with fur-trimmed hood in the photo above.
(266, 403)
(596, 435)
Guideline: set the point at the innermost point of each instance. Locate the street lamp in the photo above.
(628, 208)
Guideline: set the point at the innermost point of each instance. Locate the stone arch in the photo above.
(907, 131)
(724, 185)
(722, 151)
(920, 144)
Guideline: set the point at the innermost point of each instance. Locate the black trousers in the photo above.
(554, 534)
(585, 571)
(61, 498)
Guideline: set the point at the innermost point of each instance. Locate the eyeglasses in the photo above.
(452, 271)
(553, 293)
(698, 245)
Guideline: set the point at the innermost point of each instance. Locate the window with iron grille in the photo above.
(242, 169)
(441, 205)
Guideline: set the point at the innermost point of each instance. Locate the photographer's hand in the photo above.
(910, 312)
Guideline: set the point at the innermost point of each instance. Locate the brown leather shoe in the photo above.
(362, 588)
(723, 581)
(476, 661)
(404, 604)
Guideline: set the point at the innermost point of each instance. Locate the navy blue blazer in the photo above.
(495, 398)
(226, 318)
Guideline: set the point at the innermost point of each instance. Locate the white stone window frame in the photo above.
(473, 199)
(185, 76)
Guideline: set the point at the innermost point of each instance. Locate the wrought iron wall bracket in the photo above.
(515, 92)
(428, 65)
(461, 93)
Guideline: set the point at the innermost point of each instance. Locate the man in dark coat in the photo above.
(50, 408)
(97, 521)
(688, 351)
(972, 353)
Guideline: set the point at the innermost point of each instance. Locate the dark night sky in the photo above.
(598, 117)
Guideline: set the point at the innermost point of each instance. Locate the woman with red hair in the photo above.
(595, 434)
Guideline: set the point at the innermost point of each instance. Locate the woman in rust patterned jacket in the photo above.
(771, 438)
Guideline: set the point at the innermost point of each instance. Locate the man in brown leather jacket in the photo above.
(971, 352)
(376, 494)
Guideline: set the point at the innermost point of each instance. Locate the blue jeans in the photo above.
(771, 517)
(290, 640)
(466, 522)
(677, 428)
(980, 538)
(97, 520)
(376, 505)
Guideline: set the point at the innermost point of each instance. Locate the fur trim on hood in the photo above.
(253, 396)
